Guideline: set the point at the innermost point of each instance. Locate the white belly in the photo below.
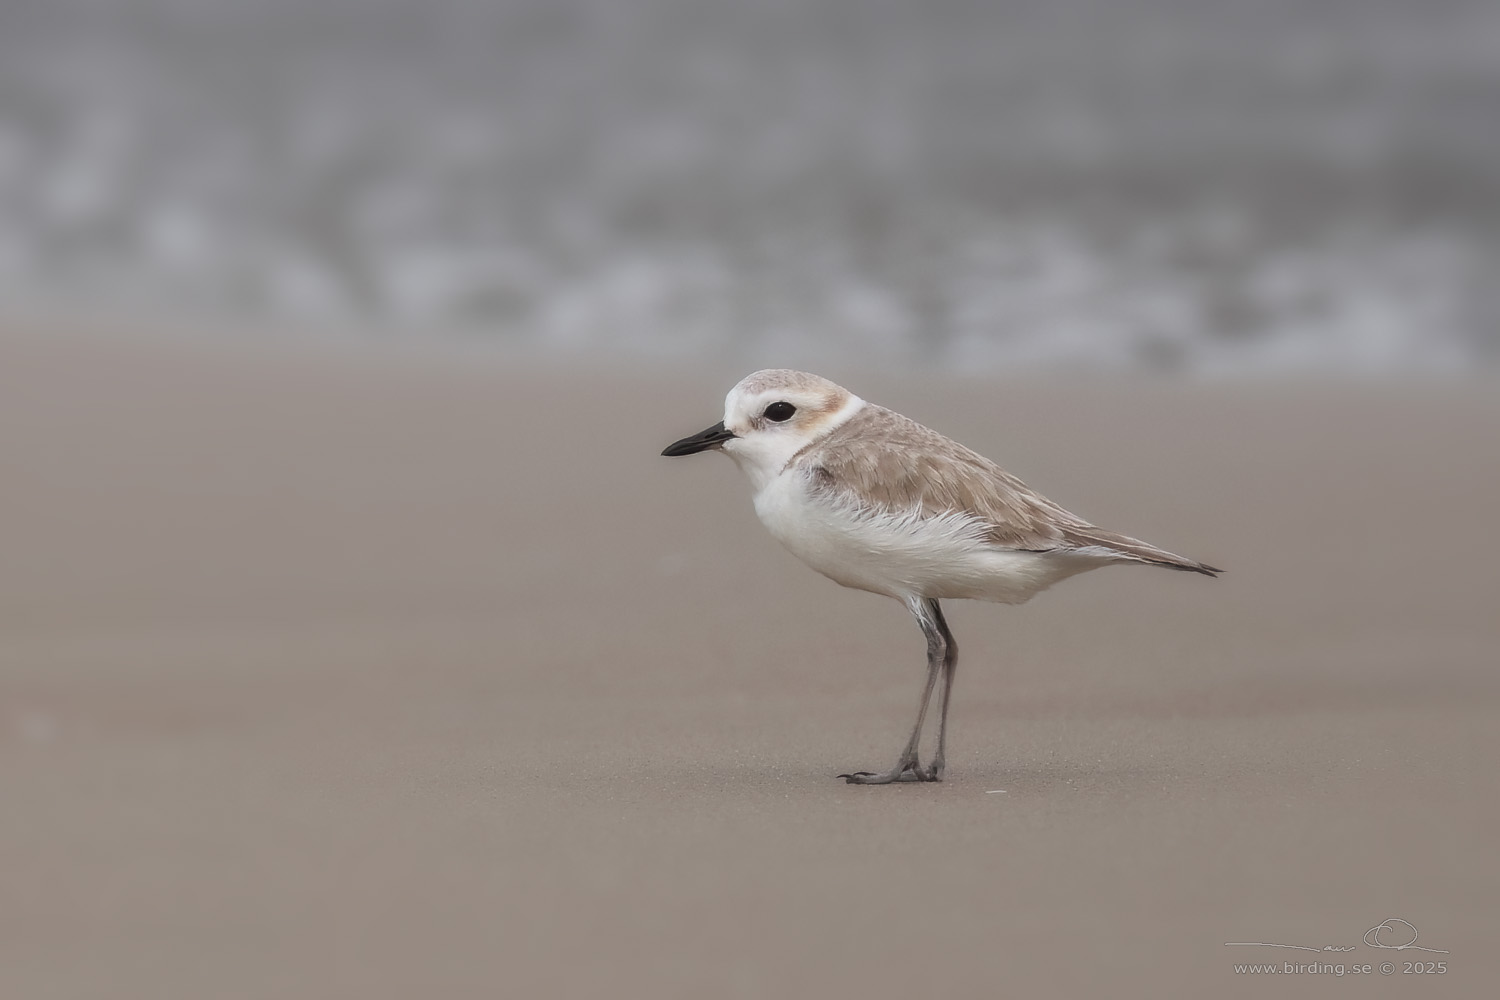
(904, 557)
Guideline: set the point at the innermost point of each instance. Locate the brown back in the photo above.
(902, 467)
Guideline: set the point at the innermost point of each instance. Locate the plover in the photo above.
(878, 502)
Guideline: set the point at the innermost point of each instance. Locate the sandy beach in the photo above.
(365, 675)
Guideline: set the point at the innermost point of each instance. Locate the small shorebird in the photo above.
(875, 501)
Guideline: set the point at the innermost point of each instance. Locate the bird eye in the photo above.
(780, 411)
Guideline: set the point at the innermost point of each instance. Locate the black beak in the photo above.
(714, 437)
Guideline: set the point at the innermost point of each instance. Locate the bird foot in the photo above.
(906, 770)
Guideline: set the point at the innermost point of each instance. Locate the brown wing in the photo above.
(924, 471)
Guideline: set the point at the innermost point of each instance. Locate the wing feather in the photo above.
(895, 465)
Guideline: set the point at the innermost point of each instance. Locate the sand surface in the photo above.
(389, 677)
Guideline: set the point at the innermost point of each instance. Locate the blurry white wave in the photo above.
(1138, 183)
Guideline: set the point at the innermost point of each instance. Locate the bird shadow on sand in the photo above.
(1070, 777)
(1046, 779)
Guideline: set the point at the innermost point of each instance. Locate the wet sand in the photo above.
(380, 676)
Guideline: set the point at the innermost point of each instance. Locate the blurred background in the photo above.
(356, 642)
(1200, 185)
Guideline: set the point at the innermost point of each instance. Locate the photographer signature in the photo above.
(1394, 928)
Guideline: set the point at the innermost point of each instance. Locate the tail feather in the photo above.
(1134, 548)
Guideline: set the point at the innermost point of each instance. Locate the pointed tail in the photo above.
(1133, 549)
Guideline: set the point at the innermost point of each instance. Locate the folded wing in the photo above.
(892, 464)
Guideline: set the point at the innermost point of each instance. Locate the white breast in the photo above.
(904, 556)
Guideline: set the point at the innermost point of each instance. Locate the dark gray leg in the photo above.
(950, 667)
(928, 616)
